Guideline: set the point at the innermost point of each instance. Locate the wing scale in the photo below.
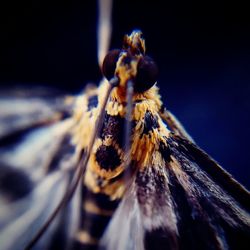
(186, 202)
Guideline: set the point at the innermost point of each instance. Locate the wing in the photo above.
(174, 124)
(36, 164)
(23, 110)
(184, 200)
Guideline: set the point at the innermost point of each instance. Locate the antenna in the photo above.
(104, 29)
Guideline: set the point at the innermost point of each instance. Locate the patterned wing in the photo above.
(217, 207)
(23, 110)
(186, 201)
(36, 164)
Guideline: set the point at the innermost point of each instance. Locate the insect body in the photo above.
(146, 185)
(170, 189)
(107, 165)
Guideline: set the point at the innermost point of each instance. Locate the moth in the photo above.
(112, 168)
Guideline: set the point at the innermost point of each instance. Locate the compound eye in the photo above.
(109, 63)
(147, 74)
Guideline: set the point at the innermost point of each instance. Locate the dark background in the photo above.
(201, 47)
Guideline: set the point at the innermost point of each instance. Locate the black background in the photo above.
(201, 47)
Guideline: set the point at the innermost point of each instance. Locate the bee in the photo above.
(112, 168)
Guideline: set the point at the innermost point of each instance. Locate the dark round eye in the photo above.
(147, 74)
(109, 63)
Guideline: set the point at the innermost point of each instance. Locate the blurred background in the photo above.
(201, 47)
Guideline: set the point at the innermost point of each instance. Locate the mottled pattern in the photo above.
(113, 127)
(92, 102)
(184, 200)
(14, 183)
(150, 122)
(165, 151)
(107, 157)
